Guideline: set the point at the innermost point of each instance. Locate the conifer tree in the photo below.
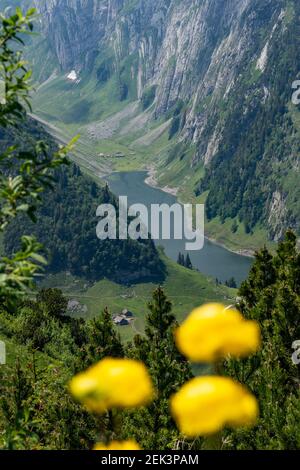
(188, 263)
(154, 427)
(102, 340)
(231, 283)
(271, 296)
(180, 259)
(54, 301)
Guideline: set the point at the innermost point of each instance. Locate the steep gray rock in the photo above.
(213, 60)
(192, 50)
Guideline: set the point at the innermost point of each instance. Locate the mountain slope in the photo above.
(206, 86)
(66, 224)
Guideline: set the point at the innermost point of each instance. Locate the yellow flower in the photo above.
(118, 445)
(122, 383)
(205, 405)
(213, 331)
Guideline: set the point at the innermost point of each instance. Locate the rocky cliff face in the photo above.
(214, 61)
(190, 49)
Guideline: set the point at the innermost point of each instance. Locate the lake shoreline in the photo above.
(151, 181)
(214, 260)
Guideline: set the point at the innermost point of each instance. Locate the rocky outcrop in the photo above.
(181, 46)
(207, 57)
(192, 51)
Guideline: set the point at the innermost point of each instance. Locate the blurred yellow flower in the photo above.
(206, 404)
(213, 331)
(121, 383)
(118, 445)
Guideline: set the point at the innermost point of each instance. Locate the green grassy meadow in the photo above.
(186, 289)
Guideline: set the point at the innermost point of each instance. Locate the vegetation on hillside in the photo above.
(271, 296)
(254, 172)
(67, 223)
(24, 175)
(142, 393)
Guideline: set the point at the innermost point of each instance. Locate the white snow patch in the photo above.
(266, 94)
(262, 61)
(73, 77)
